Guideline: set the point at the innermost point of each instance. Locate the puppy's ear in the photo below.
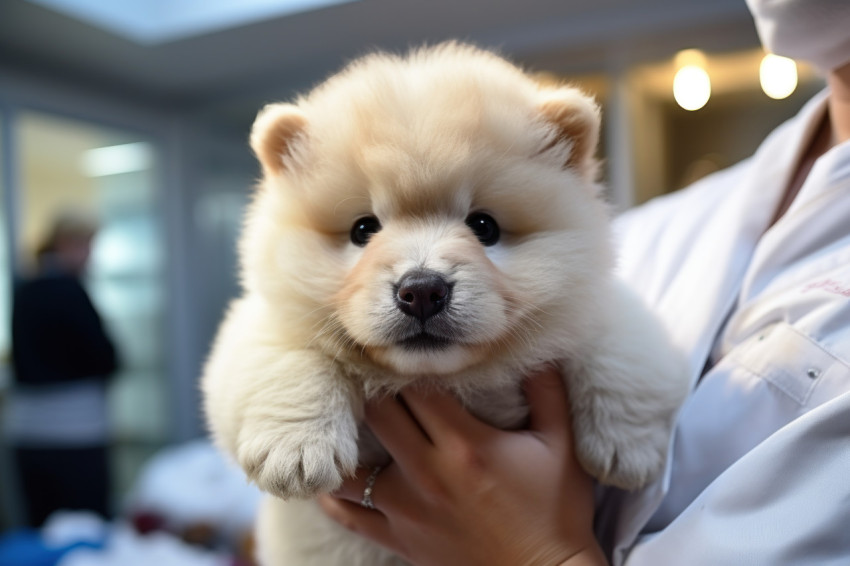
(275, 131)
(576, 119)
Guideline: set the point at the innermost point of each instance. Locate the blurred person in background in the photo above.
(62, 360)
(750, 270)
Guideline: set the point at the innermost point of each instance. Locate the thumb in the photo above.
(548, 405)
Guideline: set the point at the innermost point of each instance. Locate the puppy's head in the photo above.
(428, 213)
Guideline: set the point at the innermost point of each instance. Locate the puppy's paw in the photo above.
(300, 460)
(625, 456)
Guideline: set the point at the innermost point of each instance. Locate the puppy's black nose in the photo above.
(422, 293)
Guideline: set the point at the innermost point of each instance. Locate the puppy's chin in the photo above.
(407, 360)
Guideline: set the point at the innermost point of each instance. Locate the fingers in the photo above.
(548, 403)
(390, 488)
(352, 489)
(412, 434)
(366, 522)
(398, 432)
(345, 505)
(393, 424)
(442, 416)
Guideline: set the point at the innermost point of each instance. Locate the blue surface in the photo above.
(24, 547)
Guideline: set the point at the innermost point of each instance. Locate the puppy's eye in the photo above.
(363, 229)
(484, 227)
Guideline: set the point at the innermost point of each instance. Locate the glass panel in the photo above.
(76, 168)
(5, 274)
(9, 512)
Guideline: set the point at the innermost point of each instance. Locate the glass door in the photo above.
(69, 167)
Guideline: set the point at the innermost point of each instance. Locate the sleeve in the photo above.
(785, 503)
(89, 346)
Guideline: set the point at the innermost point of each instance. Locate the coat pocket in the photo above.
(794, 364)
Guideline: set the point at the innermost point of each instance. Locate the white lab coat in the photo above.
(760, 467)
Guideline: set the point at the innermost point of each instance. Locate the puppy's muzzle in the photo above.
(422, 293)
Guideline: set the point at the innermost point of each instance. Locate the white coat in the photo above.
(760, 467)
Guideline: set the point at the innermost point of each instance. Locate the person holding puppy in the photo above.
(750, 270)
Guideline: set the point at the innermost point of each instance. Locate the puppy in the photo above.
(433, 220)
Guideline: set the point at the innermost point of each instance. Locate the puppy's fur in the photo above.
(421, 143)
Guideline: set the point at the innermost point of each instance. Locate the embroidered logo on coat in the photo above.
(830, 286)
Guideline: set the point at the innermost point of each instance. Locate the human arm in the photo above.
(462, 492)
(87, 340)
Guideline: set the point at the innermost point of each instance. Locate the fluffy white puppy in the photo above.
(429, 219)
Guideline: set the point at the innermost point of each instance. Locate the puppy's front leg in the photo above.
(299, 433)
(289, 417)
(624, 394)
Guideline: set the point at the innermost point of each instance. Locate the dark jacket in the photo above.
(57, 336)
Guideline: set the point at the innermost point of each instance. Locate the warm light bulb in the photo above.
(691, 87)
(778, 76)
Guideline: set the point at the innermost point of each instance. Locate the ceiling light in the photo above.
(116, 159)
(691, 87)
(778, 76)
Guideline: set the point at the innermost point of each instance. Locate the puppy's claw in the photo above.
(300, 463)
(628, 461)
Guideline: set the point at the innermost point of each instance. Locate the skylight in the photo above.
(159, 21)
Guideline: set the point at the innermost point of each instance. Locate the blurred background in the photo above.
(137, 112)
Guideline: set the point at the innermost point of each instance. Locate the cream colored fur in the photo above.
(421, 142)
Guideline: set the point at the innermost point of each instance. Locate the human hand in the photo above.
(462, 492)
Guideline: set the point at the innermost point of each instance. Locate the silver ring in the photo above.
(366, 501)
